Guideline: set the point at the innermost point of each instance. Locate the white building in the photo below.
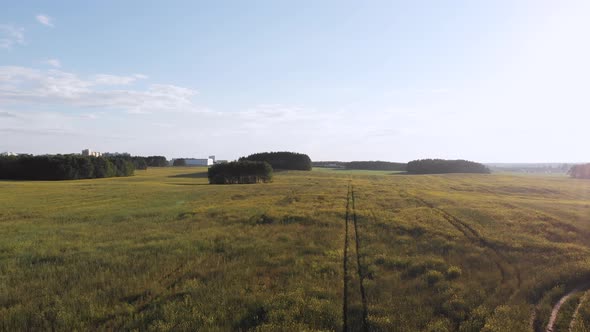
(8, 154)
(88, 152)
(199, 161)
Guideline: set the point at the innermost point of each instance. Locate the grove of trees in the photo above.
(580, 171)
(240, 172)
(282, 160)
(64, 167)
(439, 166)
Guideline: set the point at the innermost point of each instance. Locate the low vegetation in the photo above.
(283, 160)
(240, 172)
(441, 166)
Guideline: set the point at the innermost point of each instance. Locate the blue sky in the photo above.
(489, 81)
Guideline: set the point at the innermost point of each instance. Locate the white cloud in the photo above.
(140, 76)
(11, 35)
(45, 20)
(54, 87)
(53, 62)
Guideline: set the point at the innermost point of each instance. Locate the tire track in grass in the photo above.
(361, 274)
(474, 236)
(555, 311)
(577, 311)
(536, 325)
(345, 266)
(351, 217)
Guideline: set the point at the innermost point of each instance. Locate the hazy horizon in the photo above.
(499, 82)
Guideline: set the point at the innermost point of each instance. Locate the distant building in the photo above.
(88, 152)
(8, 154)
(198, 162)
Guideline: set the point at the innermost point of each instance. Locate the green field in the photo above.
(163, 250)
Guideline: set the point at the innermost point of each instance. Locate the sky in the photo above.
(490, 81)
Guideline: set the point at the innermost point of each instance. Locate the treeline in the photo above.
(240, 172)
(376, 165)
(145, 162)
(580, 171)
(439, 166)
(64, 167)
(282, 160)
(140, 162)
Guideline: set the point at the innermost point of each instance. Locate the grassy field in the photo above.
(163, 250)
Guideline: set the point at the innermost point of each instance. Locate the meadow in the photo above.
(164, 250)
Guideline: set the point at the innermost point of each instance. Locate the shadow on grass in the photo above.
(198, 175)
(189, 184)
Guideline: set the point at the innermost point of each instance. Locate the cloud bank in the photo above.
(23, 85)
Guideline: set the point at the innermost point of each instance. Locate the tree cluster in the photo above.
(283, 160)
(580, 171)
(439, 166)
(240, 172)
(376, 165)
(63, 167)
